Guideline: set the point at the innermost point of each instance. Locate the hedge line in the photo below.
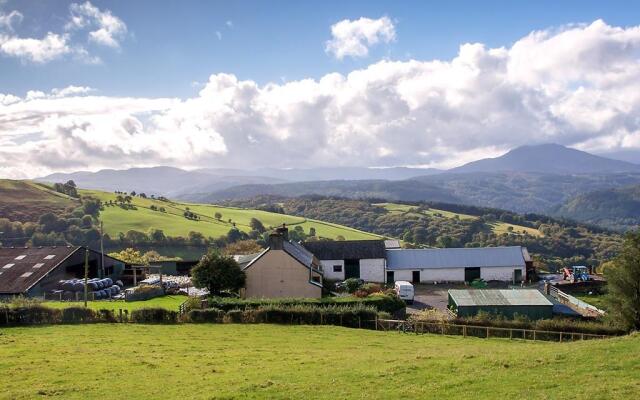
(380, 302)
(350, 316)
(40, 315)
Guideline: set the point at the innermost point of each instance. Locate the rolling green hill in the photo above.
(172, 222)
(238, 361)
(26, 201)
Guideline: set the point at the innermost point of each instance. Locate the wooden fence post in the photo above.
(487, 333)
(464, 330)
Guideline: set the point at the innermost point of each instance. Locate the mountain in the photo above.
(548, 159)
(407, 190)
(328, 173)
(167, 181)
(617, 208)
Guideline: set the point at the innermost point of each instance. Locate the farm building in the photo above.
(363, 259)
(32, 271)
(507, 302)
(458, 264)
(284, 269)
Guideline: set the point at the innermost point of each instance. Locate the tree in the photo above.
(218, 273)
(91, 206)
(623, 284)
(312, 231)
(257, 225)
(217, 216)
(242, 247)
(133, 193)
(130, 256)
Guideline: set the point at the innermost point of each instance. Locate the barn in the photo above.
(458, 264)
(530, 303)
(344, 259)
(33, 271)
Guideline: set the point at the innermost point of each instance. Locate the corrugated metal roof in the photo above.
(21, 268)
(456, 257)
(498, 297)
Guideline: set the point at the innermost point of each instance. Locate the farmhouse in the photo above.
(284, 269)
(525, 302)
(458, 264)
(32, 271)
(363, 259)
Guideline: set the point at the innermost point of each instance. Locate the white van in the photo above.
(404, 290)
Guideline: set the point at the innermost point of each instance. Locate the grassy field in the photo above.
(173, 223)
(27, 201)
(497, 227)
(167, 302)
(303, 362)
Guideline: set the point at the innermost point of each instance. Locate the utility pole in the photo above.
(86, 274)
(101, 250)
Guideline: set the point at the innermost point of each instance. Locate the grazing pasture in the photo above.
(172, 221)
(321, 362)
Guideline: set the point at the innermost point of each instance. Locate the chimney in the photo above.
(277, 238)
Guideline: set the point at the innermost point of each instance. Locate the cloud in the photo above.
(110, 29)
(7, 21)
(43, 50)
(354, 37)
(229, 24)
(219, 35)
(574, 85)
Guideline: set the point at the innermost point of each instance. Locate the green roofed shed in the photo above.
(507, 302)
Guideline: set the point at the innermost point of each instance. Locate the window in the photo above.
(38, 265)
(50, 257)
(8, 266)
(21, 257)
(26, 275)
(316, 279)
(337, 268)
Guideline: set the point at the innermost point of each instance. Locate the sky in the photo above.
(100, 84)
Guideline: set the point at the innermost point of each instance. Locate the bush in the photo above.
(154, 316)
(352, 284)
(31, 315)
(234, 316)
(350, 316)
(75, 315)
(213, 315)
(381, 302)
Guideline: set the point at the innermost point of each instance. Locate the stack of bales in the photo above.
(97, 289)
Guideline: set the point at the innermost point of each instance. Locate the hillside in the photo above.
(26, 201)
(206, 359)
(555, 242)
(406, 190)
(617, 208)
(548, 159)
(172, 222)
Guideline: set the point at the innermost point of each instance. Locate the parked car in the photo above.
(405, 291)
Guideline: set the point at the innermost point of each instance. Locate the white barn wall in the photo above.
(372, 270)
(327, 269)
(442, 275)
(499, 273)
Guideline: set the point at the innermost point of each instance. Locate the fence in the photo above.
(584, 309)
(481, 331)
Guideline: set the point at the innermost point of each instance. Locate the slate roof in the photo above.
(21, 268)
(244, 259)
(498, 297)
(295, 250)
(346, 249)
(398, 259)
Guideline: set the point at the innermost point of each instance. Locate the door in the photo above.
(415, 277)
(351, 269)
(471, 273)
(390, 277)
(517, 275)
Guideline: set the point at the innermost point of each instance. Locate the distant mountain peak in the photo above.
(548, 158)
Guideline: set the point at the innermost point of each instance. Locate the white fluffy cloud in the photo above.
(577, 85)
(354, 37)
(108, 30)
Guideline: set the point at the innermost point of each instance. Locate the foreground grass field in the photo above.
(117, 219)
(167, 302)
(303, 362)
